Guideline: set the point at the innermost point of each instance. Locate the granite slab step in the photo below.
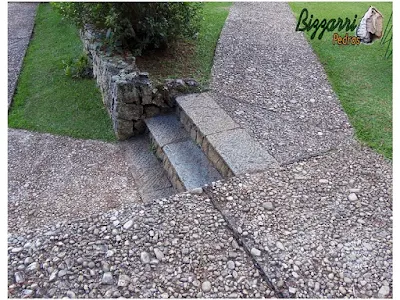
(166, 129)
(186, 165)
(230, 148)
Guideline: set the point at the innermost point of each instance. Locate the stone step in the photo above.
(230, 148)
(146, 170)
(186, 165)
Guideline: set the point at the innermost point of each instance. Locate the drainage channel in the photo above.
(236, 235)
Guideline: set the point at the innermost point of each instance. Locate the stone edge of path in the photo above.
(26, 40)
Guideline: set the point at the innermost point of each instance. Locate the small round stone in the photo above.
(268, 205)
(107, 278)
(206, 286)
(71, 294)
(197, 191)
(280, 246)
(231, 265)
(352, 197)
(145, 257)
(159, 254)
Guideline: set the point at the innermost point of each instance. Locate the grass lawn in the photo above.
(48, 101)
(189, 58)
(360, 75)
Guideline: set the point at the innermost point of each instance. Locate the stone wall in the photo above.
(128, 94)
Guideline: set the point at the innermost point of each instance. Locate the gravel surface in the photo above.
(176, 247)
(54, 178)
(268, 79)
(21, 17)
(318, 228)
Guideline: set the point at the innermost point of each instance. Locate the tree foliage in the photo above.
(135, 25)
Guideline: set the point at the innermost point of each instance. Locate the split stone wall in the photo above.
(128, 94)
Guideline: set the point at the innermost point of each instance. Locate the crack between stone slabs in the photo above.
(252, 105)
(307, 157)
(236, 235)
(255, 105)
(177, 141)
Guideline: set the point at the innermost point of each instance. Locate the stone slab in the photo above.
(56, 178)
(146, 170)
(241, 152)
(166, 129)
(188, 248)
(205, 113)
(190, 164)
(273, 84)
(313, 239)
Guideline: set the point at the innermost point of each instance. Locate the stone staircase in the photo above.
(230, 148)
(197, 145)
(186, 165)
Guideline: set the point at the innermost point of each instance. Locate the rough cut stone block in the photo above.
(151, 111)
(213, 155)
(199, 138)
(204, 145)
(178, 185)
(139, 125)
(123, 129)
(205, 113)
(157, 99)
(127, 93)
(240, 152)
(147, 94)
(128, 111)
(160, 153)
(193, 133)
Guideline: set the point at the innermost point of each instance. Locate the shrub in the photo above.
(137, 26)
(78, 68)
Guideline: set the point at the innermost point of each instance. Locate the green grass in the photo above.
(190, 58)
(360, 75)
(215, 14)
(48, 101)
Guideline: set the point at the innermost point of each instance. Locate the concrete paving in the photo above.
(178, 247)
(268, 79)
(21, 18)
(319, 227)
(53, 179)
